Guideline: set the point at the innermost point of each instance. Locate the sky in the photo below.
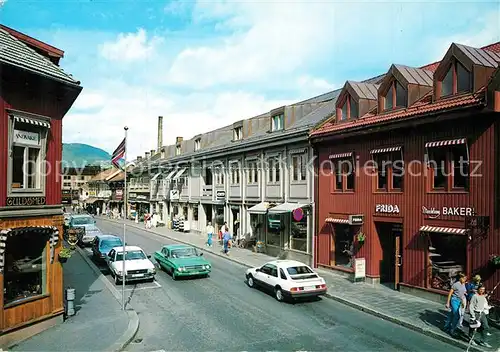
(206, 64)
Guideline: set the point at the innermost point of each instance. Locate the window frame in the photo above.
(234, 173)
(252, 172)
(178, 150)
(448, 167)
(347, 102)
(344, 176)
(42, 156)
(453, 68)
(280, 118)
(197, 144)
(393, 91)
(301, 168)
(392, 158)
(238, 133)
(273, 169)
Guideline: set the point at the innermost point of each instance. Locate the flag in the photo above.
(118, 154)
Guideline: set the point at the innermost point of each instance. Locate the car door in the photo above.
(110, 258)
(264, 276)
(273, 279)
(166, 260)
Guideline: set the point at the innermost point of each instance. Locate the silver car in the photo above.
(88, 224)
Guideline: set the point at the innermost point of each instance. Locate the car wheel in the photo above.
(250, 281)
(174, 277)
(278, 294)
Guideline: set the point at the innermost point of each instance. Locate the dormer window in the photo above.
(349, 109)
(457, 80)
(238, 133)
(197, 144)
(178, 150)
(396, 96)
(278, 122)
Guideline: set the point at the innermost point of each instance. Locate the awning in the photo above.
(170, 175)
(31, 121)
(179, 174)
(445, 143)
(337, 221)
(445, 230)
(286, 208)
(340, 155)
(260, 208)
(385, 150)
(155, 176)
(90, 200)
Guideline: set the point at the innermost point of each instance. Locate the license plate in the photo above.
(309, 288)
(137, 275)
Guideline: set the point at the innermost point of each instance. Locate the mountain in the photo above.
(79, 155)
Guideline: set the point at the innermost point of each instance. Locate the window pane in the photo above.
(298, 231)
(447, 84)
(460, 167)
(295, 168)
(17, 167)
(349, 173)
(338, 176)
(354, 109)
(381, 174)
(463, 79)
(270, 167)
(344, 111)
(401, 99)
(389, 104)
(33, 168)
(25, 266)
(344, 246)
(438, 164)
(397, 172)
(276, 171)
(303, 167)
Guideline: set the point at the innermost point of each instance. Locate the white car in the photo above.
(137, 264)
(287, 279)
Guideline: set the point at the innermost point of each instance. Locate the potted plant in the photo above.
(361, 237)
(64, 254)
(495, 260)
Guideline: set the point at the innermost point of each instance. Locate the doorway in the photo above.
(342, 246)
(208, 212)
(390, 236)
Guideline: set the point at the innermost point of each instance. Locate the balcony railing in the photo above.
(139, 186)
(207, 191)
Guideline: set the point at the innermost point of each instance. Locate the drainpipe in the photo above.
(315, 215)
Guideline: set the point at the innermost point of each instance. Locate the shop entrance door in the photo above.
(390, 235)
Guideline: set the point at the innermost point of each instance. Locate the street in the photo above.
(222, 313)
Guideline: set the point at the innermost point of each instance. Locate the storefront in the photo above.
(138, 205)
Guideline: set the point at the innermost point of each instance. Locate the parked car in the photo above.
(67, 219)
(103, 244)
(137, 264)
(287, 279)
(182, 260)
(88, 224)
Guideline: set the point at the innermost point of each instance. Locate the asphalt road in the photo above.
(222, 313)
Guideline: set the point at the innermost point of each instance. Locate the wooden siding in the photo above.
(482, 134)
(47, 305)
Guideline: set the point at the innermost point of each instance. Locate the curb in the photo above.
(133, 318)
(371, 311)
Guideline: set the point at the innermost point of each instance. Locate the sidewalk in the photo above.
(99, 323)
(412, 312)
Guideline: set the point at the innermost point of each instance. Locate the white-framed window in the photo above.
(178, 150)
(238, 133)
(234, 173)
(299, 167)
(219, 176)
(273, 170)
(197, 144)
(252, 172)
(277, 122)
(27, 148)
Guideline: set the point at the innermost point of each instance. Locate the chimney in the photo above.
(178, 140)
(146, 155)
(160, 133)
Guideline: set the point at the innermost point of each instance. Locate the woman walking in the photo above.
(455, 300)
(478, 308)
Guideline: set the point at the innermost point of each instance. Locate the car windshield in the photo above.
(84, 220)
(112, 242)
(299, 270)
(184, 253)
(131, 255)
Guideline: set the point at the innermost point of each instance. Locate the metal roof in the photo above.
(364, 90)
(416, 75)
(480, 56)
(15, 52)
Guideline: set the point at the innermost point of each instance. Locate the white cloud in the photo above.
(130, 47)
(314, 84)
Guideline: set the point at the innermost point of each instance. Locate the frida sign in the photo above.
(386, 208)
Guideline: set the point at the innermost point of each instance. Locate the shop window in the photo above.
(344, 175)
(299, 167)
(274, 228)
(456, 80)
(252, 172)
(273, 170)
(449, 168)
(298, 235)
(344, 246)
(25, 273)
(27, 154)
(195, 213)
(447, 257)
(389, 171)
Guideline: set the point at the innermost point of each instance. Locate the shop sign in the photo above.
(118, 194)
(220, 195)
(25, 201)
(298, 214)
(434, 213)
(104, 194)
(386, 209)
(174, 194)
(356, 219)
(25, 137)
(132, 195)
(141, 197)
(359, 268)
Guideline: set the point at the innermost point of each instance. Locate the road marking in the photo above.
(157, 285)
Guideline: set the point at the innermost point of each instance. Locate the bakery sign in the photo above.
(25, 137)
(434, 213)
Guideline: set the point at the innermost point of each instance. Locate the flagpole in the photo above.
(125, 204)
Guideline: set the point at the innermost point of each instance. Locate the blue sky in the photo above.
(205, 64)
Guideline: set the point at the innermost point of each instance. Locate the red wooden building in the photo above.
(35, 94)
(408, 174)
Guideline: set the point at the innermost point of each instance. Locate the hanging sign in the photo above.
(298, 214)
(356, 219)
(25, 137)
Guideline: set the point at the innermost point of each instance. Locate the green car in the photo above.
(181, 260)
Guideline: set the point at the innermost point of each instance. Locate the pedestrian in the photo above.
(226, 238)
(210, 233)
(478, 309)
(455, 300)
(471, 288)
(98, 211)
